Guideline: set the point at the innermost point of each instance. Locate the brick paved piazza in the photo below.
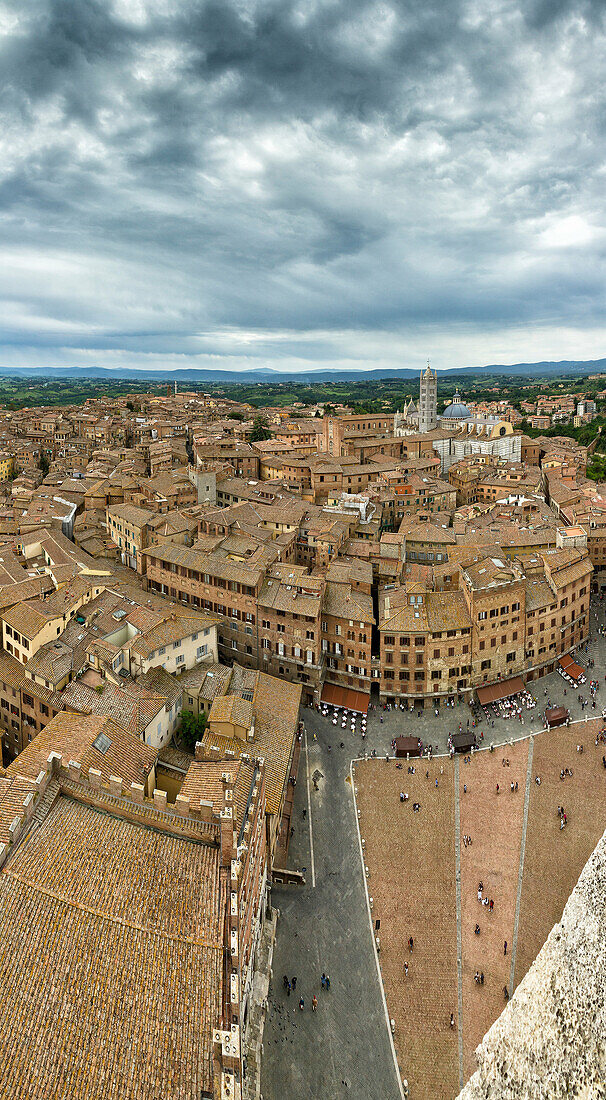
(412, 863)
(344, 1049)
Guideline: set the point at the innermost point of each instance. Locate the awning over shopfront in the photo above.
(503, 689)
(337, 696)
(571, 667)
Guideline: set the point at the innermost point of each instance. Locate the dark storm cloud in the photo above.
(302, 180)
(285, 62)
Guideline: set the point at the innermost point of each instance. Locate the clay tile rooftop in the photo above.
(112, 983)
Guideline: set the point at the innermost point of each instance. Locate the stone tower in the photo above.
(428, 400)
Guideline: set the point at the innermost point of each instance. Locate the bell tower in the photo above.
(428, 399)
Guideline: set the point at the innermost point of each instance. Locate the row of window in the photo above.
(204, 578)
(338, 627)
(27, 702)
(425, 555)
(338, 649)
(404, 674)
(294, 651)
(494, 611)
(267, 625)
(355, 670)
(177, 645)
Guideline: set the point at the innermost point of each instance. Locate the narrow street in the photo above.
(343, 1049)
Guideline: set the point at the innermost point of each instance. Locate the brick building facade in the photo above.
(505, 619)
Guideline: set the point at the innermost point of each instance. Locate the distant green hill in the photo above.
(566, 367)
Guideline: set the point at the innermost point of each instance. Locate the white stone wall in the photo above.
(451, 449)
(550, 1040)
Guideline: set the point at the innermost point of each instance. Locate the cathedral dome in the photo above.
(457, 410)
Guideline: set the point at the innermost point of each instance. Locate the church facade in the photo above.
(457, 433)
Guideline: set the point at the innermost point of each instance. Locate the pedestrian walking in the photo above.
(327, 982)
(285, 981)
(505, 948)
(405, 970)
(452, 1020)
(410, 944)
(482, 977)
(323, 980)
(288, 990)
(294, 984)
(314, 1003)
(301, 1004)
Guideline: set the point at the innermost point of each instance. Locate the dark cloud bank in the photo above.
(240, 183)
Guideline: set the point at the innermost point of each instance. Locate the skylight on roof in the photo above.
(102, 743)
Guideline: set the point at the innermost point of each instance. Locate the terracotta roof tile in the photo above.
(82, 911)
(73, 735)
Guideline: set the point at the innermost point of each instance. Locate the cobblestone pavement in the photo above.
(344, 1048)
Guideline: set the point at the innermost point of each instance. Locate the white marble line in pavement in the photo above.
(459, 929)
(372, 933)
(516, 920)
(311, 831)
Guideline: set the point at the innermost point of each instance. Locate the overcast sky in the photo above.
(244, 183)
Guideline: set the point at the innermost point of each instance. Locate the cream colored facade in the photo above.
(185, 653)
(27, 640)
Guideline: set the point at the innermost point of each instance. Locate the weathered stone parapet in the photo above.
(160, 799)
(137, 792)
(550, 1040)
(129, 800)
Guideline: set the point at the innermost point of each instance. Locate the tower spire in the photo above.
(428, 399)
